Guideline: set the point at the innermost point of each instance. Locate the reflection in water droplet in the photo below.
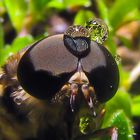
(77, 31)
(98, 30)
(117, 59)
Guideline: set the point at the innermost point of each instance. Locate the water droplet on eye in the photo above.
(77, 40)
(98, 30)
(77, 31)
(117, 59)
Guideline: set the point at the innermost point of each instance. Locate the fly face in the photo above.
(73, 70)
(80, 91)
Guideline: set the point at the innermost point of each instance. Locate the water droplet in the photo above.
(111, 86)
(118, 59)
(77, 31)
(98, 30)
(77, 41)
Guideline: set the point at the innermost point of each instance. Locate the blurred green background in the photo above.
(22, 22)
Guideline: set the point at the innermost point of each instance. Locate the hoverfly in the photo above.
(58, 83)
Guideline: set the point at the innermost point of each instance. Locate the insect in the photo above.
(58, 84)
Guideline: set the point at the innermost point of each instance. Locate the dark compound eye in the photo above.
(49, 64)
(46, 67)
(77, 41)
(102, 71)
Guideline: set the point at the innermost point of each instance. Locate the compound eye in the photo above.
(102, 72)
(46, 67)
(77, 41)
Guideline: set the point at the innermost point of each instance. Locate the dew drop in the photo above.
(94, 114)
(77, 40)
(77, 31)
(98, 30)
(117, 59)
